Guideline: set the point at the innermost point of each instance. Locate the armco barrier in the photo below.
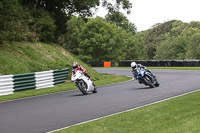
(162, 63)
(27, 81)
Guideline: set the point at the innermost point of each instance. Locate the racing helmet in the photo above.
(133, 65)
(75, 65)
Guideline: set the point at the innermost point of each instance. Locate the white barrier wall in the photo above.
(6, 85)
(44, 79)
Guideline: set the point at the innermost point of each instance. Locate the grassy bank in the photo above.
(178, 115)
(23, 57)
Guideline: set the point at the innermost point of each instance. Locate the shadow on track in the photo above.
(143, 88)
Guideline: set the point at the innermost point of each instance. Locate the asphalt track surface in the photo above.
(46, 113)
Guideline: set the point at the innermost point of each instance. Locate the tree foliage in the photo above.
(18, 23)
(100, 41)
(11, 20)
(120, 20)
(173, 40)
(62, 10)
(44, 20)
(97, 40)
(71, 41)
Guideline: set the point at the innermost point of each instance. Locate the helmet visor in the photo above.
(74, 67)
(133, 67)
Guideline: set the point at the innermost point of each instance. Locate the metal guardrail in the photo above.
(37, 80)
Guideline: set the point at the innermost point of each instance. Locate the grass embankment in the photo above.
(178, 115)
(18, 58)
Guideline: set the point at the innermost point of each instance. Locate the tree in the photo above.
(62, 10)
(136, 49)
(42, 25)
(74, 25)
(193, 45)
(119, 4)
(100, 41)
(120, 20)
(156, 35)
(171, 48)
(11, 21)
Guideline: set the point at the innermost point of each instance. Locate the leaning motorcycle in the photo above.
(84, 84)
(146, 78)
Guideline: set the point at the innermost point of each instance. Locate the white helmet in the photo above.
(75, 65)
(133, 65)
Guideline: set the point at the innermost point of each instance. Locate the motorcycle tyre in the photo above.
(148, 82)
(81, 88)
(157, 84)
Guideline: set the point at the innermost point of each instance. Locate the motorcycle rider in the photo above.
(136, 66)
(76, 67)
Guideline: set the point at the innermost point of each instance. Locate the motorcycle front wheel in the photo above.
(83, 87)
(147, 80)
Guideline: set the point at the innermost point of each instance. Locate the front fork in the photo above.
(76, 84)
(152, 78)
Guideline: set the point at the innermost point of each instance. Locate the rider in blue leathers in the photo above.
(136, 66)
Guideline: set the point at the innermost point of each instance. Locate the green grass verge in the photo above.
(168, 68)
(178, 115)
(105, 79)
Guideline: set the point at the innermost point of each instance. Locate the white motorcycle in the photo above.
(84, 84)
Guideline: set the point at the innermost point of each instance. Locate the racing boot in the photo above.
(95, 88)
(76, 84)
(139, 81)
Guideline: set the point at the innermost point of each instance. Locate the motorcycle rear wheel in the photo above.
(95, 90)
(147, 80)
(157, 83)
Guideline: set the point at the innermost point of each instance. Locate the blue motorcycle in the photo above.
(146, 78)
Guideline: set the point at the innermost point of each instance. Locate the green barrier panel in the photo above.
(59, 82)
(24, 78)
(59, 76)
(23, 75)
(25, 88)
(60, 73)
(24, 84)
(24, 81)
(66, 69)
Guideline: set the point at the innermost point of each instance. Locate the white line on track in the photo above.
(124, 111)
